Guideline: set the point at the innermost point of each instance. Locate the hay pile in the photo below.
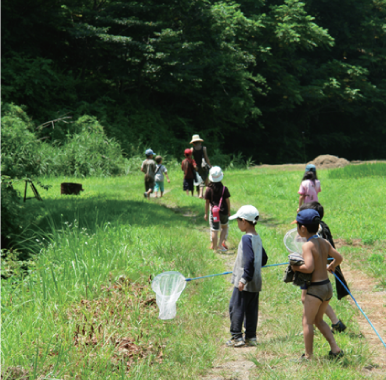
(327, 161)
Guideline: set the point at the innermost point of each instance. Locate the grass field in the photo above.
(86, 310)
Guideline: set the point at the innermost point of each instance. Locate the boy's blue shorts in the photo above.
(159, 185)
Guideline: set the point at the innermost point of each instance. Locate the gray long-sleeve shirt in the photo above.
(251, 256)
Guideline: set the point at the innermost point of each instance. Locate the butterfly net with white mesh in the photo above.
(168, 287)
(293, 241)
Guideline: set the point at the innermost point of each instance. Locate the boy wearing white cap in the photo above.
(246, 278)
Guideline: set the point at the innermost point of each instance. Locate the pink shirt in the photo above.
(310, 190)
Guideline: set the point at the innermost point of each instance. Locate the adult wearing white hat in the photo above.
(217, 197)
(203, 164)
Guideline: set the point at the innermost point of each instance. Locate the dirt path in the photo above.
(231, 363)
(373, 303)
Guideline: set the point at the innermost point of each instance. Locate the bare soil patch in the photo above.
(372, 302)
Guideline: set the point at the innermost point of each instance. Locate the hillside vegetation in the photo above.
(281, 81)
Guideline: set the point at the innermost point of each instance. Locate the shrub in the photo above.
(19, 145)
(11, 211)
(90, 152)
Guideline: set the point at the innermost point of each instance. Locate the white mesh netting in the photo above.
(293, 242)
(168, 287)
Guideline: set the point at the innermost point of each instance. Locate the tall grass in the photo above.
(85, 310)
(358, 171)
(89, 290)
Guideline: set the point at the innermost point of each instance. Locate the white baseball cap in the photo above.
(246, 212)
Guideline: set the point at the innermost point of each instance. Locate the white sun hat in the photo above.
(196, 138)
(215, 174)
(247, 212)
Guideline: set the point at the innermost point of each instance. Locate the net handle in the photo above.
(229, 272)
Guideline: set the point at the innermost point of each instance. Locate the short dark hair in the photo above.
(252, 223)
(158, 159)
(314, 206)
(311, 228)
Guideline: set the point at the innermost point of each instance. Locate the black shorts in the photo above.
(188, 184)
(149, 183)
(215, 226)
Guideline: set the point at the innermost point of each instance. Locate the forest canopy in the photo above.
(281, 81)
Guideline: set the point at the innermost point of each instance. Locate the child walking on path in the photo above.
(310, 186)
(217, 195)
(319, 293)
(324, 232)
(189, 167)
(148, 167)
(159, 176)
(246, 278)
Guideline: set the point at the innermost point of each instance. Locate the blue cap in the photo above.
(149, 151)
(311, 168)
(308, 216)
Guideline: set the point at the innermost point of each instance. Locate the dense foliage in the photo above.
(84, 152)
(277, 80)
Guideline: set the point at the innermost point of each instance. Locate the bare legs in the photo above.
(331, 314)
(314, 309)
(214, 239)
(329, 310)
(223, 236)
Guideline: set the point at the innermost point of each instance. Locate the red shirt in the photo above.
(188, 166)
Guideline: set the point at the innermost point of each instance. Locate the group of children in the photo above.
(316, 296)
(154, 174)
(154, 179)
(251, 255)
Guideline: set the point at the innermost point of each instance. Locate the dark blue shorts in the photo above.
(188, 184)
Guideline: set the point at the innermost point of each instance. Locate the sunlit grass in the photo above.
(89, 288)
(358, 171)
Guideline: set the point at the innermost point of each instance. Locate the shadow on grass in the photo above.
(270, 222)
(95, 212)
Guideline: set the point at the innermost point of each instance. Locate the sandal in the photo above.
(336, 355)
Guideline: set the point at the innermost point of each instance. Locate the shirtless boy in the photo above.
(315, 253)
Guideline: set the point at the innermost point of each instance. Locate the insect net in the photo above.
(293, 241)
(168, 287)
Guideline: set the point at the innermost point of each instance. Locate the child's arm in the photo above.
(309, 265)
(206, 209)
(229, 206)
(248, 261)
(302, 198)
(167, 176)
(336, 256)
